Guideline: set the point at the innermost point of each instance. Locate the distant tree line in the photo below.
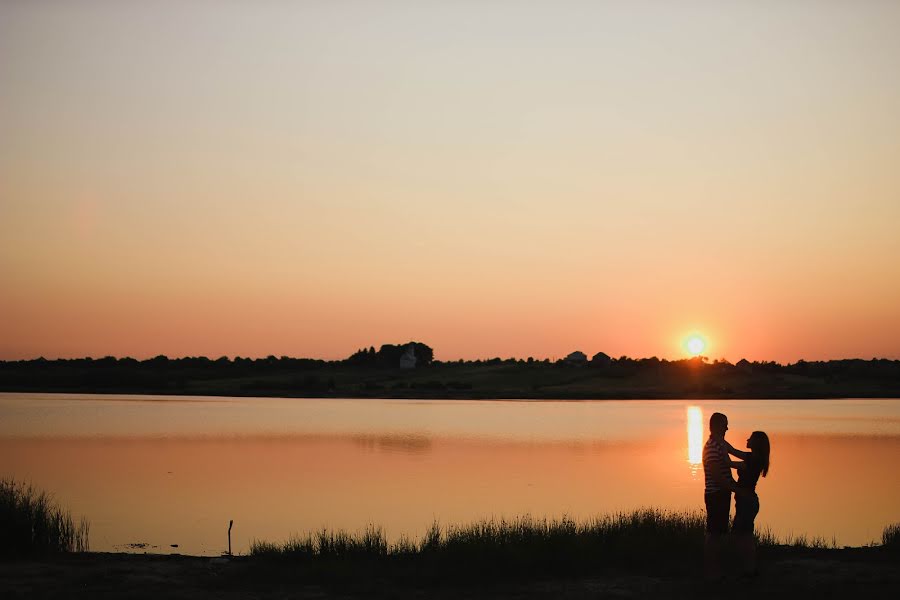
(388, 356)
(370, 371)
(159, 373)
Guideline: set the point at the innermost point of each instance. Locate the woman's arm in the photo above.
(734, 451)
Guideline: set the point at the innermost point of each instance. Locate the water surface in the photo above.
(163, 470)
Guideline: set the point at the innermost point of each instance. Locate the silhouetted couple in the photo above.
(720, 484)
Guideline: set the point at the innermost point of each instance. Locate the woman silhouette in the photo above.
(746, 502)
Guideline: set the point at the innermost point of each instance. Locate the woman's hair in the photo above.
(761, 450)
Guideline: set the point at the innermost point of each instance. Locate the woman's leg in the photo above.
(747, 542)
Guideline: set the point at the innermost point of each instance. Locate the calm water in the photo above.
(166, 470)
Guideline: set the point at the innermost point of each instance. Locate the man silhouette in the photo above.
(717, 496)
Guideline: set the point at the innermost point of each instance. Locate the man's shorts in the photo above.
(718, 504)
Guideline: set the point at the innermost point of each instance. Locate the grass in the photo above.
(33, 525)
(890, 537)
(645, 540)
(766, 538)
(646, 536)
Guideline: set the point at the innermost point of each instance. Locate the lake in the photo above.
(154, 471)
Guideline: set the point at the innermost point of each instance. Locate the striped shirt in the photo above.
(715, 459)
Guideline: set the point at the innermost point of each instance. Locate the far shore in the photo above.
(613, 379)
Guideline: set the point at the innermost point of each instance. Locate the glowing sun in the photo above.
(695, 345)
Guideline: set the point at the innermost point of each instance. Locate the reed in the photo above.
(890, 537)
(524, 543)
(648, 538)
(765, 538)
(33, 524)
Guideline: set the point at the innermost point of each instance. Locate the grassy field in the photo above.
(648, 541)
(341, 569)
(522, 545)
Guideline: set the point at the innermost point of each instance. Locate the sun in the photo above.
(695, 345)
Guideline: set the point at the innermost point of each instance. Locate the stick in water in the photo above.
(230, 523)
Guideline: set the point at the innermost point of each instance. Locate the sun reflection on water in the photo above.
(695, 438)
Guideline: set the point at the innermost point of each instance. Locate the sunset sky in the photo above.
(491, 178)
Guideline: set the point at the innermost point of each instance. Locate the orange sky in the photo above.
(194, 178)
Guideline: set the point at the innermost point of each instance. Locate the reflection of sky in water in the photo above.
(86, 415)
(177, 469)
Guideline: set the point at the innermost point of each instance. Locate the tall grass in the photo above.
(648, 540)
(766, 538)
(890, 537)
(33, 525)
(644, 537)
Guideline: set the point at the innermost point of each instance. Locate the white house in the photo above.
(576, 358)
(408, 359)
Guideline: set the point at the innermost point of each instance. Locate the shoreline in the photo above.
(787, 572)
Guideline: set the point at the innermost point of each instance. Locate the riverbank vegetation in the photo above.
(523, 544)
(645, 553)
(649, 541)
(33, 525)
(890, 538)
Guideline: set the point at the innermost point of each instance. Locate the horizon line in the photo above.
(552, 360)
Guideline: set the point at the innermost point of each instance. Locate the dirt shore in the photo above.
(786, 573)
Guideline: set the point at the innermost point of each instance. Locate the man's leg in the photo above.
(718, 505)
(712, 548)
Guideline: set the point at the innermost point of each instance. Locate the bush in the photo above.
(33, 525)
(890, 537)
